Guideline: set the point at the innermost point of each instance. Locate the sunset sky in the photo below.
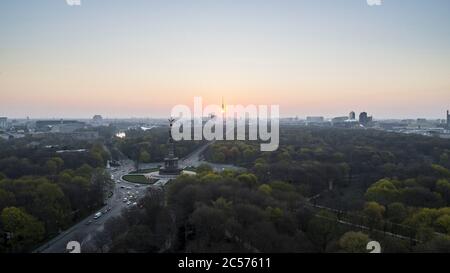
(138, 58)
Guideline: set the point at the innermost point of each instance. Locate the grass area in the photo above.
(139, 179)
(145, 171)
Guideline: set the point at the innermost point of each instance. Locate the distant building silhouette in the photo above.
(3, 122)
(315, 119)
(364, 119)
(97, 118)
(448, 119)
(59, 126)
(352, 115)
(339, 119)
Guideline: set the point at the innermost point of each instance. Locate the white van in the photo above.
(97, 215)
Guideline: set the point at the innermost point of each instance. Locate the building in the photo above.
(448, 120)
(314, 119)
(364, 119)
(59, 126)
(3, 122)
(352, 116)
(422, 121)
(97, 119)
(339, 119)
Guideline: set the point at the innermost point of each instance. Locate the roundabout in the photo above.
(160, 176)
(153, 178)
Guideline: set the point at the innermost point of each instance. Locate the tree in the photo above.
(222, 204)
(383, 192)
(76, 190)
(248, 179)
(54, 165)
(321, 229)
(99, 181)
(421, 197)
(374, 212)
(209, 228)
(354, 242)
(248, 154)
(85, 171)
(144, 157)
(443, 187)
(51, 167)
(101, 240)
(444, 223)
(441, 170)
(7, 199)
(25, 230)
(439, 244)
(396, 212)
(266, 189)
(204, 169)
(51, 206)
(139, 238)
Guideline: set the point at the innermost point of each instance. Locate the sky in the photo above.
(139, 58)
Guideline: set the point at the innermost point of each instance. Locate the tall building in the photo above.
(364, 119)
(448, 119)
(352, 115)
(3, 122)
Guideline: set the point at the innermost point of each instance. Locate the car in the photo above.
(125, 200)
(98, 215)
(135, 204)
(105, 211)
(128, 203)
(88, 223)
(137, 186)
(137, 192)
(122, 187)
(128, 192)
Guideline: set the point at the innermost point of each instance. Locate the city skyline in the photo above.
(139, 59)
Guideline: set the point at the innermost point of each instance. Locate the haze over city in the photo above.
(140, 58)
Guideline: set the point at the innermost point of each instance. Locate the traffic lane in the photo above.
(82, 230)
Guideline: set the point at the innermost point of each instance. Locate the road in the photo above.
(82, 232)
(195, 159)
